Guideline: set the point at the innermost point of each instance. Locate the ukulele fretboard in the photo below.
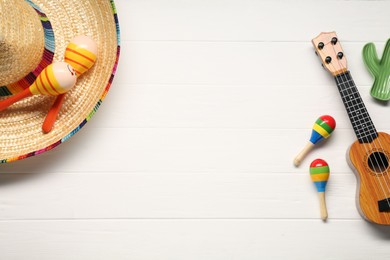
(360, 119)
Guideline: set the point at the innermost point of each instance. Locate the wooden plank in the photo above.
(252, 20)
(233, 63)
(190, 156)
(246, 106)
(189, 239)
(170, 150)
(174, 196)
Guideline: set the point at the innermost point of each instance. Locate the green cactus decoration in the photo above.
(380, 69)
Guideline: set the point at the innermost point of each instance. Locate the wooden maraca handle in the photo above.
(52, 114)
(298, 159)
(323, 210)
(9, 101)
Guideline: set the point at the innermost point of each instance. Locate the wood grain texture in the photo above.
(192, 239)
(268, 64)
(323, 208)
(173, 150)
(182, 195)
(373, 184)
(249, 20)
(190, 155)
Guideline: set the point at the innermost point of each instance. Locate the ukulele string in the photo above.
(375, 146)
(367, 150)
(382, 166)
(348, 89)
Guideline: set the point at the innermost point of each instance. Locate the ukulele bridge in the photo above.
(384, 205)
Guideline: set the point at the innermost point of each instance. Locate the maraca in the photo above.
(55, 79)
(319, 173)
(322, 129)
(81, 54)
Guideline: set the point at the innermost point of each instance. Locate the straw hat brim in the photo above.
(21, 134)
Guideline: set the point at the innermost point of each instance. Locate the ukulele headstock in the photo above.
(329, 50)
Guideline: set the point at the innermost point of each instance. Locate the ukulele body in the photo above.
(370, 162)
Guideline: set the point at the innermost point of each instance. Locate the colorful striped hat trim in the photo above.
(47, 58)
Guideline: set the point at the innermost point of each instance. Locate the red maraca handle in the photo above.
(9, 101)
(52, 114)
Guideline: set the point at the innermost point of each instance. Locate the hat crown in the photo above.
(21, 40)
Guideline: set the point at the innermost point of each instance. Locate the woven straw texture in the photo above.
(22, 41)
(50, 27)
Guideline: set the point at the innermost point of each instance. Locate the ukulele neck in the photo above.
(358, 115)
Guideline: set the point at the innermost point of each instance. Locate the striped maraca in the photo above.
(81, 54)
(322, 129)
(319, 173)
(55, 79)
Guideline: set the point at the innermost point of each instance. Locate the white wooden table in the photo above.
(190, 155)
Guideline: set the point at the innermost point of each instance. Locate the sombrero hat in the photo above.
(34, 34)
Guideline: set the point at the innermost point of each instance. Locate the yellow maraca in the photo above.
(81, 54)
(55, 79)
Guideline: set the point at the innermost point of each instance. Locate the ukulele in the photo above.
(369, 155)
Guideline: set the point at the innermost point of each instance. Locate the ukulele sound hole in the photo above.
(378, 162)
